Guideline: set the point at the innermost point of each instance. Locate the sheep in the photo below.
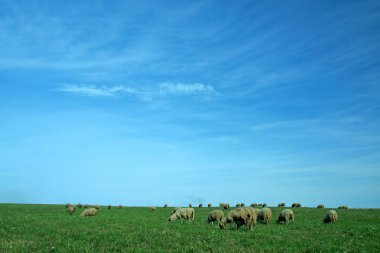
(209, 205)
(85, 206)
(281, 205)
(120, 206)
(331, 217)
(153, 208)
(265, 214)
(343, 207)
(260, 205)
(285, 216)
(96, 206)
(224, 205)
(253, 205)
(70, 209)
(320, 206)
(79, 205)
(239, 216)
(67, 205)
(215, 215)
(200, 205)
(89, 212)
(175, 209)
(264, 205)
(238, 205)
(296, 205)
(254, 210)
(183, 213)
(165, 205)
(109, 206)
(190, 205)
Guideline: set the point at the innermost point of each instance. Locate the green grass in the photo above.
(48, 228)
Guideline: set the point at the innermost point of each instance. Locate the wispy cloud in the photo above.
(162, 89)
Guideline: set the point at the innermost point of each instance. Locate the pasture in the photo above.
(48, 228)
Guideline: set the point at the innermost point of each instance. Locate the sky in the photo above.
(149, 102)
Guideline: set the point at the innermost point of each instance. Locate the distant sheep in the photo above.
(183, 214)
(320, 206)
(153, 208)
(264, 205)
(85, 206)
(89, 212)
(253, 205)
(281, 205)
(120, 206)
(209, 205)
(200, 205)
(70, 209)
(296, 205)
(238, 205)
(96, 206)
(67, 205)
(343, 207)
(260, 205)
(224, 205)
(190, 205)
(239, 216)
(109, 207)
(331, 217)
(165, 205)
(265, 215)
(79, 205)
(285, 216)
(215, 215)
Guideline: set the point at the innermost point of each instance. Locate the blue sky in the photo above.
(152, 102)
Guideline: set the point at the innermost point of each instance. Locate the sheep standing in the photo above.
(281, 204)
(265, 215)
(153, 208)
(215, 215)
(255, 211)
(70, 209)
(96, 206)
(253, 205)
(343, 207)
(296, 205)
(200, 205)
(331, 217)
(190, 205)
(320, 206)
(239, 216)
(109, 206)
(79, 205)
(209, 205)
(285, 216)
(224, 205)
(183, 213)
(89, 212)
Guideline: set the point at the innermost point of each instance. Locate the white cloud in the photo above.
(162, 89)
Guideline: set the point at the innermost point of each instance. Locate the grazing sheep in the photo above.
(281, 205)
(264, 205)
(153, 208)
(265, 214)
(343, 207)
(67, 205)
(239, 216)
(183, 213)
(120, 206)
(190, 205)
(260, 205)
(89, 212)
(242, 205)
(79, 205)
(70, 209)
(296, 205)
(331, 217)
(200, 205)
(165, 205)
(215, 215)
(285, 216)
(96, 206)
(109, 206)
(255, 211)
(238, 205)
(85, 206)
(253, 205)
(320, 206)
(208, 205)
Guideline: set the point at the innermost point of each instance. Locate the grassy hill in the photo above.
(48, 228)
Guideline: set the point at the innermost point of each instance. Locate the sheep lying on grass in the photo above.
(285, 216)
(331, 217)
(265, 214)
(183, 214)
(89, 212)
(215, 215)
(239, 216)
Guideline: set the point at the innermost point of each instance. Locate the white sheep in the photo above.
(331, 217)
(215, 215)
(265, 214)
(285, 216)
(187, 213)
(89, 212)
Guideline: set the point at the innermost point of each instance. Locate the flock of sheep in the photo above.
(239, 216)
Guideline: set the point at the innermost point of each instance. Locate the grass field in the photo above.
(48, 228)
